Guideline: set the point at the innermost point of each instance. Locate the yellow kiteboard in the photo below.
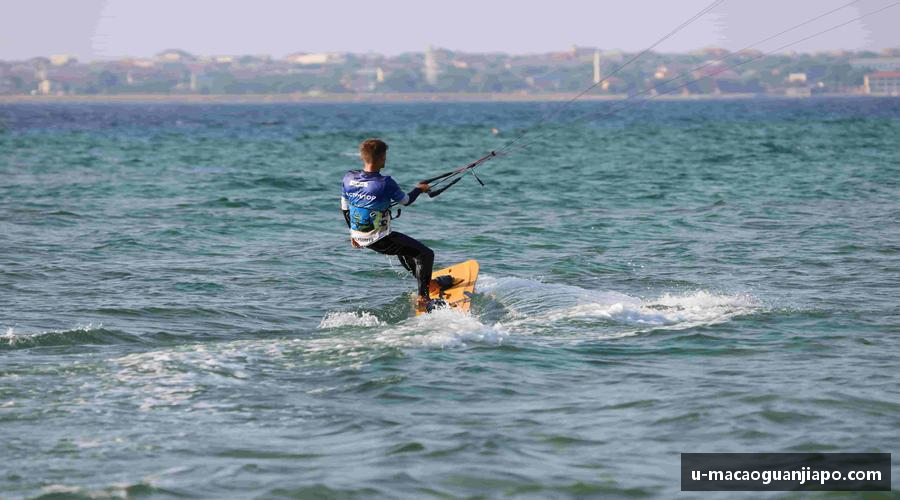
(456, 290)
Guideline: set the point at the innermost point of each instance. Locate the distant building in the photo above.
(583, 53)
(62, 60)
(750, 53)
(883, 83)
(712, 52)
(877, 63)
(305, 59)
(797, 86)
(46, 87)
(597, 78)
(363, 80)
(613, 55)
(612, 84)
(255, 59)
(175, 55)
(139, 63)
(718, 71)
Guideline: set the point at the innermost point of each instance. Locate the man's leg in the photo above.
(415, 256)
(408, 263)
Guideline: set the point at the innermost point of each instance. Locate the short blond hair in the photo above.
(373, 150)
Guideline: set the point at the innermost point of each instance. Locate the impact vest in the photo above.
(368, 197)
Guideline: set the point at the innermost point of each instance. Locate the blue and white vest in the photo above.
(368, 197)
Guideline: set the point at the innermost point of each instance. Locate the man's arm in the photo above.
(407, 199)
(345, 208)
(412, 195)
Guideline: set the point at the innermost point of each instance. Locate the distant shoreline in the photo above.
(367, 98)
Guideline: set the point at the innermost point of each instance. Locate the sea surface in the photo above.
(182, 314)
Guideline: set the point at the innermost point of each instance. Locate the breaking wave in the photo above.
(531, 304)
(516, 306)
(80, 335)
(341, 319)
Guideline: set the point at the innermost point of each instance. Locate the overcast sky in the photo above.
(99, 29)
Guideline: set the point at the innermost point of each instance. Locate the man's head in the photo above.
(373, 153)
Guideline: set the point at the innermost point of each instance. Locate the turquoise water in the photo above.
(182, 315)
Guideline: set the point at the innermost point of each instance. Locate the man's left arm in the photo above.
(407, 199)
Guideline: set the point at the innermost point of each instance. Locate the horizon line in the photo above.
(435, 48)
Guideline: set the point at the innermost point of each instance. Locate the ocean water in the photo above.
(182, 315)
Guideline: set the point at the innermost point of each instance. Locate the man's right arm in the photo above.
(345, 209)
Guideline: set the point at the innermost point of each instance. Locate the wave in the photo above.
(533, 304)
(80, 335)
(84, 335)
(516, 306)
(443, 328)
(342, 319)
(668, 310)
(124, 490)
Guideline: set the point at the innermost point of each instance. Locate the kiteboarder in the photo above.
(366, 202)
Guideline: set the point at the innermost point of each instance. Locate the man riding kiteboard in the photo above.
(366, 203)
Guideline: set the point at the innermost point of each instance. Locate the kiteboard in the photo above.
(455, 285)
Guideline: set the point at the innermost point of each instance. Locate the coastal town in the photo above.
(707, 72)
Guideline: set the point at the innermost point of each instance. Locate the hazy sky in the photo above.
(92, 29)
